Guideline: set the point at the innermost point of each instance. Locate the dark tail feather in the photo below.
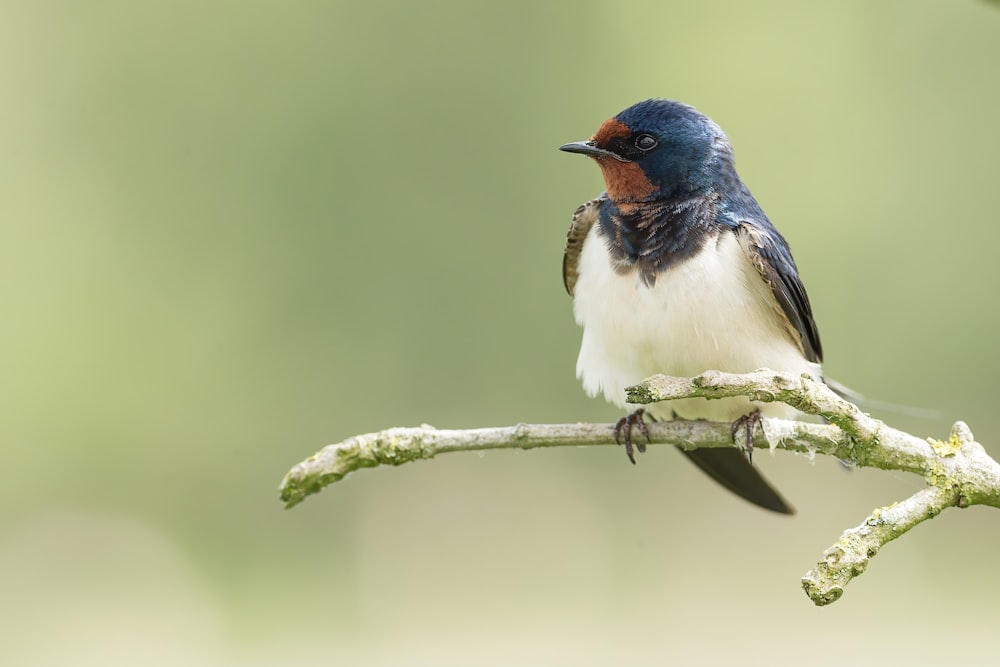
(730, 468)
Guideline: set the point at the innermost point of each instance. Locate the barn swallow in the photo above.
(675, 269)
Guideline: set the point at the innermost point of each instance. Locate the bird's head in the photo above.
(657, 149)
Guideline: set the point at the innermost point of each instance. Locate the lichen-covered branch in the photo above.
(396, 446)
(958, 471)
(850, 555)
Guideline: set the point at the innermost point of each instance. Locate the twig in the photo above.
(958, 471)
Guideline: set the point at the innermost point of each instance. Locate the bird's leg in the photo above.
(623, 430)
(748, 425)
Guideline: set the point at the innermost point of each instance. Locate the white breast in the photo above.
(711, 312)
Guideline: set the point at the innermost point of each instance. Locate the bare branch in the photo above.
(958, 472)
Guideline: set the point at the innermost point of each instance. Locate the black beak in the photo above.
(591, 149)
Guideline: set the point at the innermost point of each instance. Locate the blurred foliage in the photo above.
(233, 232)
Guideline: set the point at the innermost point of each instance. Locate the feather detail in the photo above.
(583, 219)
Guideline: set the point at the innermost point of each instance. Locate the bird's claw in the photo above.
(748, 425)
(623, 431)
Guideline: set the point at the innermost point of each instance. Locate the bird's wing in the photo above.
(583, 219)
(772, 258)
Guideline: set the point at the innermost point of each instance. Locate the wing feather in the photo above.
(773, 260)
(583, 219)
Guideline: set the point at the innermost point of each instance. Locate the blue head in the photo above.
(659, 149)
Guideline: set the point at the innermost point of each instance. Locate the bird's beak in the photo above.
(591, 149)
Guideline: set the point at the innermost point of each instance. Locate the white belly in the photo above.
(712, 312)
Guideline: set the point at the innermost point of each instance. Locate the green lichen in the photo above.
(936, 476)
(640, 394)
(399, 450)
(948, 447)
(821, 597)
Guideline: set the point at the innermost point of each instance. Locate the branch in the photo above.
(958, 472)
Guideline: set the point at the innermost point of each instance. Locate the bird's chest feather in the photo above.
(711, 311)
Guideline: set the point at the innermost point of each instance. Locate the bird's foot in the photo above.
(748, 424)
(623, 431)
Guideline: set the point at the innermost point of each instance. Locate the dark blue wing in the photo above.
(770, 254)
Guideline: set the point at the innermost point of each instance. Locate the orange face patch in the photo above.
(611, 129)
(625, 181)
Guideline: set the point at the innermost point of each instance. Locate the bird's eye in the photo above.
(645, 142)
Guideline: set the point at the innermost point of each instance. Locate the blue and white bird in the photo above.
(675, 269)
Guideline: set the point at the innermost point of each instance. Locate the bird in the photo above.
(675, 269)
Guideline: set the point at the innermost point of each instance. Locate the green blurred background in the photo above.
(233, 232)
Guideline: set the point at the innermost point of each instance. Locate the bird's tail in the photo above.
(731, 469)
(863, 401)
